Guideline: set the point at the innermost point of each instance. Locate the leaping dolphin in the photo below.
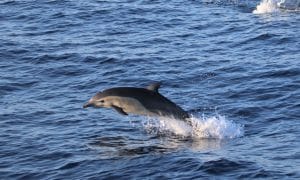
(143, 101)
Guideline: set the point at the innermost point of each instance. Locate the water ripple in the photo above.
(236, 72)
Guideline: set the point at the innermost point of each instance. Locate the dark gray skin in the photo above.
(141, 101)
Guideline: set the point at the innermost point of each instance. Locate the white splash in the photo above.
(266, 6)
(216, 127)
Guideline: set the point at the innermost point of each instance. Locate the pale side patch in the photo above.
(129, 105)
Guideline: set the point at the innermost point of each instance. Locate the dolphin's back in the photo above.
(151, 100)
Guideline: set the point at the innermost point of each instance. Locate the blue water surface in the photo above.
(214, 58)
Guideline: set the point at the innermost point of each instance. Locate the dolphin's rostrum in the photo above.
(143, 101)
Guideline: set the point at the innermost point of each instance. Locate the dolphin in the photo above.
(141, 101)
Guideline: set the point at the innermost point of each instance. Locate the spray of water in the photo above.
(215, 127)
(266, 6)
(273, 6)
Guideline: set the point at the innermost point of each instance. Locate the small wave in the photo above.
(69, 165)
(215, 127)
(221, 166)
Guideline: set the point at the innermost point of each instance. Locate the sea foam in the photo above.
(266, 6)
(215, 127)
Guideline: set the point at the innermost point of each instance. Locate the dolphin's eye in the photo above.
(102, 101)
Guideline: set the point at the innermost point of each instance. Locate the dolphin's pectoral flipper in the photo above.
(120, 110)
(154, 87)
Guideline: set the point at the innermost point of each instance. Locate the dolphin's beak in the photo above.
(88, 104)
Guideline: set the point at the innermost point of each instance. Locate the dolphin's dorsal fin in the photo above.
(154, 87)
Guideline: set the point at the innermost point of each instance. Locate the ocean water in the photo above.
(233, 65)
